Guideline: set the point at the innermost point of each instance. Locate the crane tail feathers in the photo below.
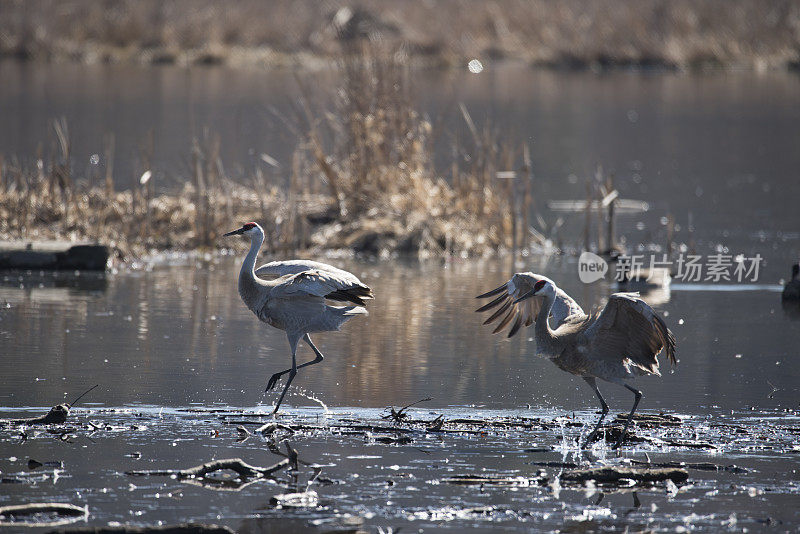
(356, 294)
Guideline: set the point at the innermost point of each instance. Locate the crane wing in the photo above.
(524, 313)
(276, 269)
(329, 285)
(629, 328)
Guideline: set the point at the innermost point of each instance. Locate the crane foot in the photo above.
(273, 380)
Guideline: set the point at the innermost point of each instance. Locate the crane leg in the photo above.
(638, 397)
(274, 378)
(292, 372)
(593, 383)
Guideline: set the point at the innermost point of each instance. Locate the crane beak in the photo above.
(526, 296)
(235, 232)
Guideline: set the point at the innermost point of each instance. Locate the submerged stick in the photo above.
(237, 465)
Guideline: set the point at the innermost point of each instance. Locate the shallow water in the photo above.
(362, 481)
(179, 334)
(175, 351)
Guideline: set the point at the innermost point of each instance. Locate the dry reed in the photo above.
(384, 190)
(362, 178)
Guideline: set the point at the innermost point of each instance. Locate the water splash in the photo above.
(310, 396)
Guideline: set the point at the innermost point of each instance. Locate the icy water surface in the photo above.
(483, 470)
(175, 352)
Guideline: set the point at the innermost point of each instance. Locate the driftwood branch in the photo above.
(243, 469)
(613, 475)
(600, 475)
(56, 416)
(272, 426)
(700, 466)
(26, 514)
(488, 480)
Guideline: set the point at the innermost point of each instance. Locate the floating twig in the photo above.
(484, 480)
(399, 415)
(272, 426)
(247, 473)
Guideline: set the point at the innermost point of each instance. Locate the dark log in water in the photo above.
(243, 469)
(700, 466)
(57, 415)
(613, 475)
(53, 256)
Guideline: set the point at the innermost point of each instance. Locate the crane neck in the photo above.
(249, 285)
(542, 328)
(249, 264)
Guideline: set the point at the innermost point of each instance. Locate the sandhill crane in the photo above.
(618, 343)
(294, 301)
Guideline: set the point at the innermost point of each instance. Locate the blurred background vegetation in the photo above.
(364, 174)
(572, 33)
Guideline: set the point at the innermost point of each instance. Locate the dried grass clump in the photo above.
(385, 193)
(123, 220)
(362, 178)
(46, 202)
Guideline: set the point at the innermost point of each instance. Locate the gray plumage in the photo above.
(519, 285)
(620, 342)
(296, 298)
